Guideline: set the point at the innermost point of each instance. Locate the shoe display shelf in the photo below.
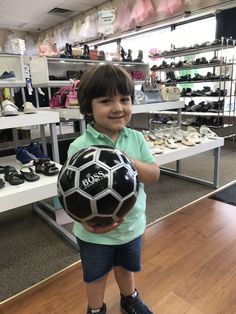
(55, 72)
(44, 72)
(211, 67)
(174, 155)
(210, 119)
(68, 115)
(39, 118)
(12, 63)
(29, 192)
(33, 192)
(182, 152)
(13, 196)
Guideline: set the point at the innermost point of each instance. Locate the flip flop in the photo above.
(12, 176)
(28, 174)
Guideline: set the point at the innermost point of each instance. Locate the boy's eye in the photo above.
(105, 100)
(125, 99)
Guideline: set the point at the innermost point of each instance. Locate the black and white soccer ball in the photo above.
(98, 185)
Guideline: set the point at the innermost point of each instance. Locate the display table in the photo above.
(174, 155)
(12, 196)
(39, 118)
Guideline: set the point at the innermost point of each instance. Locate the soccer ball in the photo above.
(98, 185)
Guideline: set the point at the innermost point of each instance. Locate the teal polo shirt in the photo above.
(134, 145)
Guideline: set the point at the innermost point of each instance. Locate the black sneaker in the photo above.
(103, 310)
(8, 76)
(133, 305)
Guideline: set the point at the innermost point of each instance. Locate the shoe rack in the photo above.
(15, 63)
(29, 192)
(42, 68)
(206, 75)
(53, 72)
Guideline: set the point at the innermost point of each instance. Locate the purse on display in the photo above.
(170, 93)
(71, 97)
(49, 49)
(65, 97)
(151, 90)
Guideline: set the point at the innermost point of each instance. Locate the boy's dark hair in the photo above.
(103, 81)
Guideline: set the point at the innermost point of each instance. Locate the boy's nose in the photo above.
(117, 106)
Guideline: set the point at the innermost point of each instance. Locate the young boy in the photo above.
(106, 95)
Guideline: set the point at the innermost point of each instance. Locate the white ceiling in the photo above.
(32, 16)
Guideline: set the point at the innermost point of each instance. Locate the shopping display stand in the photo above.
(29, 192)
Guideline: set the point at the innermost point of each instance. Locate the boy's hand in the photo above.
(102, 229)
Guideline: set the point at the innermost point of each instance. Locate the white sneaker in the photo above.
(29, 107)
(9, 108)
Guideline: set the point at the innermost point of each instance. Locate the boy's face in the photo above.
(111, 114)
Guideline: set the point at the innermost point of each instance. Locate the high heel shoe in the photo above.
(139, 57)
(122, 53)
(129, 56)
(86, 53)
(117, 55)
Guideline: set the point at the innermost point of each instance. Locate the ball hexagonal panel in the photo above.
(123, 181)
(82, 157)
(109, 158)
(93, 179)
(107, 204)
(78, 205)
(126, 205)
(67, 179)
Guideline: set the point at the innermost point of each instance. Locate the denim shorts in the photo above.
(98, 259)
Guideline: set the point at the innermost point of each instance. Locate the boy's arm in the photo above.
(147, 173)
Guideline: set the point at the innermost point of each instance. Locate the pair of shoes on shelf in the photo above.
(205, 131)
(194, 134)
(29, 108)
(9, 108)
(177, 134)
(187, 140)
(26, 155)
(13, 177)
(45, 166)
(8, 75)
(191, 137)
(170, 143)
(133, 305)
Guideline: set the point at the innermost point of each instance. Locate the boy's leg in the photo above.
(130, 301)
(125, 280)
(95, 292)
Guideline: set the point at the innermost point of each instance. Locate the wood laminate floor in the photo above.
(189, 267)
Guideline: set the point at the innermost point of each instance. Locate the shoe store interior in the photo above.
(181, 58)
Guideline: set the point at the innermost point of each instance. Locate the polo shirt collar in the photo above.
(96, 134)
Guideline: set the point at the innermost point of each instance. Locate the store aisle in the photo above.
(186, 275)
